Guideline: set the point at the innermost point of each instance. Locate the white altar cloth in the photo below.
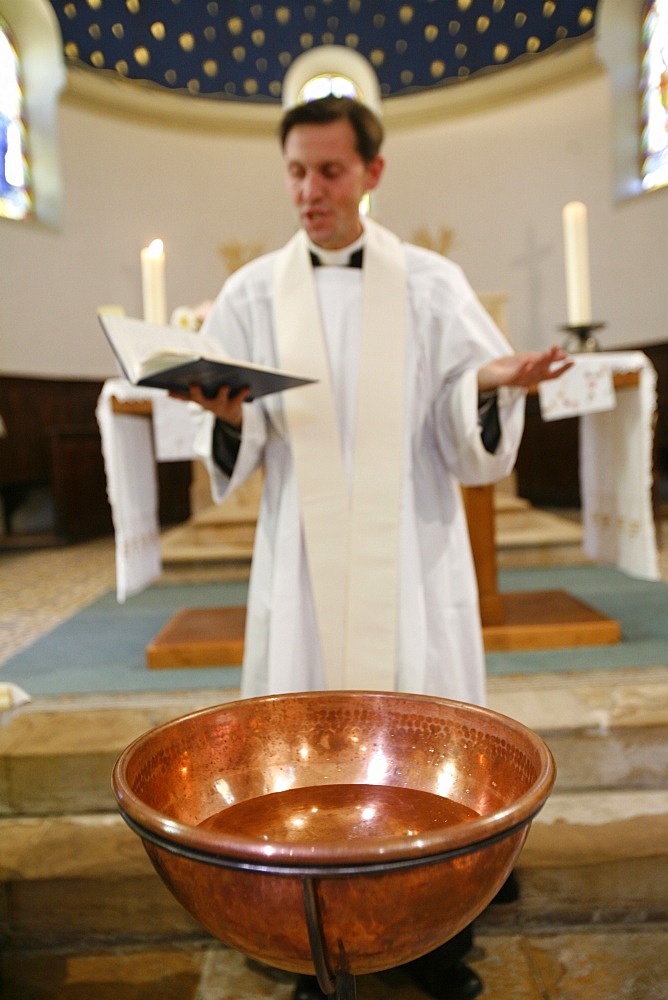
(616, 453)
(130, 451)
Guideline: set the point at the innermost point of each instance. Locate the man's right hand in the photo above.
(225, 406)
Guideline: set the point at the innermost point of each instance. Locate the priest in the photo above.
(362, 574)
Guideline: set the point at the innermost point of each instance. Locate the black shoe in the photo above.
(307, 989)
(455, 982)
(509, 891)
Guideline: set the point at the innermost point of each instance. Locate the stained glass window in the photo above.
(654, 95)
(15, 201)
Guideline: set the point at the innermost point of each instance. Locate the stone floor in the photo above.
(590, 964)
(42, 587)
(603, 959)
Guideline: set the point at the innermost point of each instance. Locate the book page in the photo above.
(171, 358)
(143, 348)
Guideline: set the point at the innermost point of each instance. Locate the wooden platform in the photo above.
(526, 620)
(199, 637)
(547, 619)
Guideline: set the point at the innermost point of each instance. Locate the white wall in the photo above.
(498, 178)
(124, 185)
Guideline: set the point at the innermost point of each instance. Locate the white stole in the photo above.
(351, 535)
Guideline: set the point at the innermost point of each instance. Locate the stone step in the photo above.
(71, 871)
(606, 730)
(56, 755)
(588, 858)
(78, 780)
(194, 542)
(531, 537)
(525, 535)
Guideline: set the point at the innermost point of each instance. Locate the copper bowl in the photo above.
(338, 832)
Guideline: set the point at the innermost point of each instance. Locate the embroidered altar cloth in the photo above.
(616, 453)
(131, 447)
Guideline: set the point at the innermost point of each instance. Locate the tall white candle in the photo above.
(576, 257)
(153, 282)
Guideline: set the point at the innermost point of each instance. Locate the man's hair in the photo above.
(368, 129)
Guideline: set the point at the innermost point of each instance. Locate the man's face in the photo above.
(326, 178)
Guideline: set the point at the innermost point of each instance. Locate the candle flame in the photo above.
(154, 248)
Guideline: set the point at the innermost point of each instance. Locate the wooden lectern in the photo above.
(532, 619)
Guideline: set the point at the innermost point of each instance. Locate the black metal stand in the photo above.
(341, 984)
(581, 338)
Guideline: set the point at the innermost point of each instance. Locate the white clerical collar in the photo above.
(336, 258)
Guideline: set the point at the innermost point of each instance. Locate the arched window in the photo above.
(618, 43)
(654, 95)
(30, 28)
(328, 83)
(15, 196)
(331, 69)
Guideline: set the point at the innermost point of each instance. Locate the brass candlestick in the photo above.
(581, 338)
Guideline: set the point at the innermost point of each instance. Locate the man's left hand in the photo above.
(523, 369)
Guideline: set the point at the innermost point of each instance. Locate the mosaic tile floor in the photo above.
(42, 587)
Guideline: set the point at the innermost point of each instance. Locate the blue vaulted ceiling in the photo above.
(240, 50)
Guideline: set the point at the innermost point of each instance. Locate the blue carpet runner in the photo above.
(101, 649)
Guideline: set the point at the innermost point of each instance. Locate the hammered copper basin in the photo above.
(351, 828)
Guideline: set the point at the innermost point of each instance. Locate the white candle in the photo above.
(153, 282)
(576, 257)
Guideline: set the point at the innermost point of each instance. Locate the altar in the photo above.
(616, 482)
(616, 451)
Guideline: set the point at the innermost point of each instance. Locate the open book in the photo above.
(166, 357)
